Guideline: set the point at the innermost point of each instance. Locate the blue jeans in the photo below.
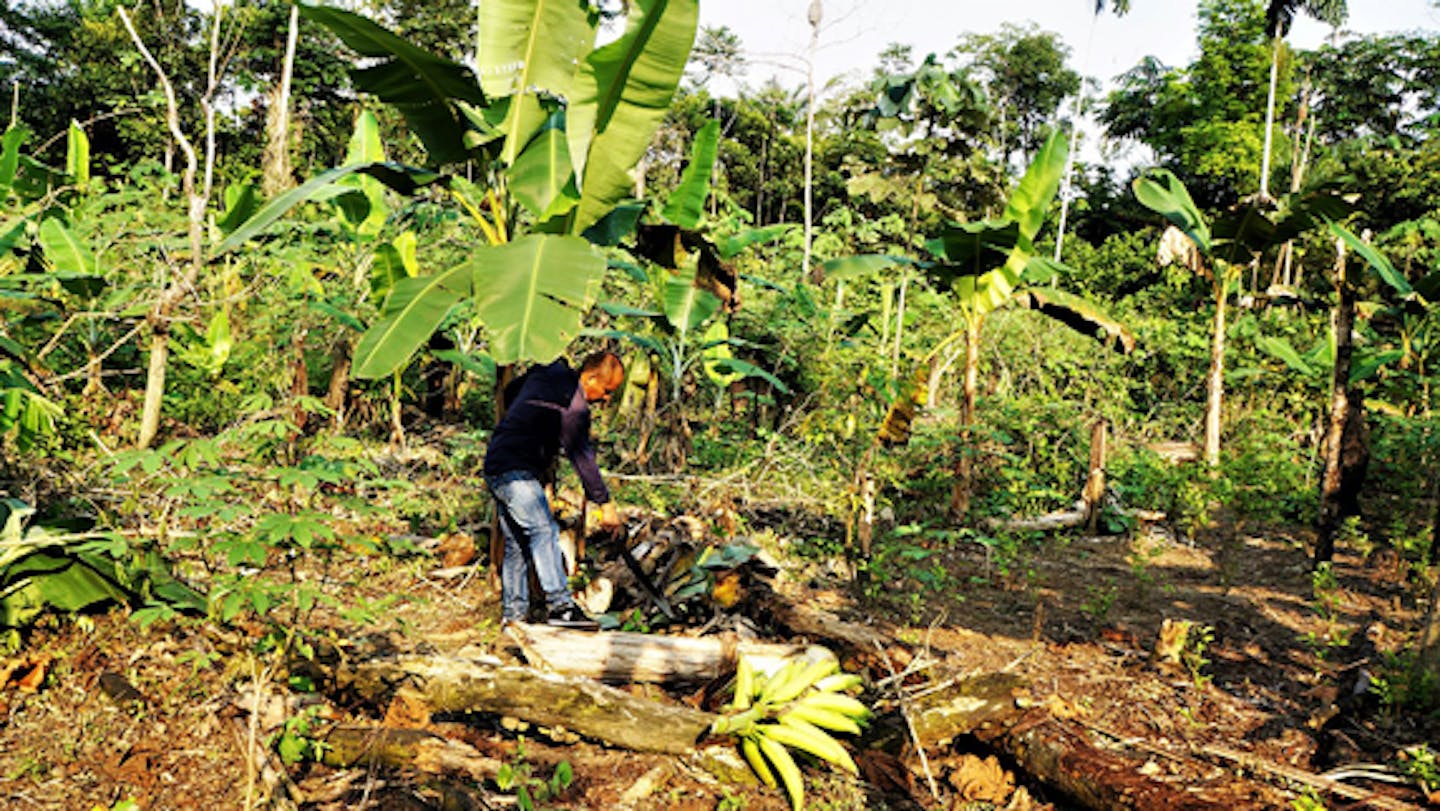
(530, 531)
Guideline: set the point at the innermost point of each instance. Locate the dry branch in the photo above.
(350, 746)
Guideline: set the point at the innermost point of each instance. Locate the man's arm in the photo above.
(575, 438)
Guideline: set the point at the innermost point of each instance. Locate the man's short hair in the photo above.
(606, 367)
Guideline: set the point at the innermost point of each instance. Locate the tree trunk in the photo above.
(1095, 482)
(627, 658)
(1215, 380)
(577, 704)
(1269, 119)
(277, 123)
(1430, 636)
(356, 746)
(1343, 323)
(964, 461)
(336, 394)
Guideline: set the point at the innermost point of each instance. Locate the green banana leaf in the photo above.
(1377, 261)
(541, 178)
(743, 368)
(687, 306)
(528, 47)
(64, 251)
(77, 156)
(731, 246)
(716, 351)
(403, 179)
(532, 293)
(854, 267)
(425, 88)
(622, 92)
(10, 155)
(365, 148)
(645, 342)
(241, 202)
(1282, 350)
(413, 311)
(686, 204)
(1162, 192)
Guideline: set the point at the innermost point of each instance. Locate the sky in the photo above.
(853, 32)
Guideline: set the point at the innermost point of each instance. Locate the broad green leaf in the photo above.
(64, 251)
(422, 86)
(58, 579)
(531, 294)
(625, 310)
(1030, 201)
(77, 156)
(973, 248)
(687, 306)
(744, 368)
(404, 179)
(1377, 261)
(686, 204)
(10, 155)
(528, 47)
(622, 92)
(414, 310)
(241, 200)
(854, 267)
(541, 179)
(730, 247)
(616, 225)
(645, 342)
(365, 148)
(1366, 364)
(1281, 350)
(1162, 192)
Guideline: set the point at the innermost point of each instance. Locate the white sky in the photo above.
(855, 31)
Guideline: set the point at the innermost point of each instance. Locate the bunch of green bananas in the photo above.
(792, 708)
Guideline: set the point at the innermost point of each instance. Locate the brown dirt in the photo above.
(1078, 618)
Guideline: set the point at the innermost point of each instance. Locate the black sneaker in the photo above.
(571, 616)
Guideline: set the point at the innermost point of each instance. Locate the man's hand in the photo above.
(609, 518)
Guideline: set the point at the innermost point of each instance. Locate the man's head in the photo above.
(601, 374)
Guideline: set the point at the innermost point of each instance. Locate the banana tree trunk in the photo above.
(964, 460)
(1215, 380)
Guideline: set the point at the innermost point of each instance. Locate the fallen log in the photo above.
(1058, 753)
(352, 746)
(486, 685)
(627, 658)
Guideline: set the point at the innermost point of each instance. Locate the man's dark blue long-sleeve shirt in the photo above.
(545, 414)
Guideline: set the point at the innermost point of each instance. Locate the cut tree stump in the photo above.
(580, 705)
(962, 706)
(628, 658)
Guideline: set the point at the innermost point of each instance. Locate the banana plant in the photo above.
(1221, 253)
(555, 125)
(796, 707)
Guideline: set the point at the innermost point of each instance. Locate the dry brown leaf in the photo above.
(727, 591)
(407, 710)
(456, 549)
(1171, 642)
(982, 780)
(30, 680)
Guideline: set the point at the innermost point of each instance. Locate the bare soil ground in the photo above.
(1265, 694)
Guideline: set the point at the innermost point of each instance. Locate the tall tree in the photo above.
(1279, 14)
(1024, 73)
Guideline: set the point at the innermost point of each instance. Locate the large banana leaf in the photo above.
(528, 47)
(854, 267)
(1162, 192)
(63, 250)
(686, 205)
(1027, 207)
(731, 246)
(404, 179)
(531, 294)
(77, 155)
(622, 92)
(1377, 261)
(687, 306)
(366, 147)
(541, 178)
(412, 313)
(425, 88)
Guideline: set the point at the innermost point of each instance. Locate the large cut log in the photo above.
(549, 699)
(348, 746)
(626, 658)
